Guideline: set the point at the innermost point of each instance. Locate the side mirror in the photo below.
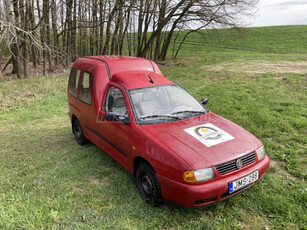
(204, 101)
(113, 116)
(124, 119)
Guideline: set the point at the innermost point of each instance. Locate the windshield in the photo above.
(164, 103)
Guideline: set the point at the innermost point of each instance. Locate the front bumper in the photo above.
(194, 195)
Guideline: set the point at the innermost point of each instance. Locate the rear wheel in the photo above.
(148, 185)
(79, 136)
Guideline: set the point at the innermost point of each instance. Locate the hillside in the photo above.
(275, 39)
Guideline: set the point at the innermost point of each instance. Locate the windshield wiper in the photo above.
(160, 116)
(188, 111)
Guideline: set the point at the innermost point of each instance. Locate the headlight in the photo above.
(260, 152)
(199, 175)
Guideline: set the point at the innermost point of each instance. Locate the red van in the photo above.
(175, 147)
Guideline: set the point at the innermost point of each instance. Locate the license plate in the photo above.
(243, 182)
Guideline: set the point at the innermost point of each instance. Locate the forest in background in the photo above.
(56, 32)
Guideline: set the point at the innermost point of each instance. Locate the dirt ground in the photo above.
(259, 67)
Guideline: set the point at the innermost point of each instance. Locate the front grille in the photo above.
(231, 165)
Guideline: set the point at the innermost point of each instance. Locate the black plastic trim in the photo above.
(231, 165)
(152, 66)
(106, 140)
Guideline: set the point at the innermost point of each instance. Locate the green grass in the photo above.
(275, 39)
(47, 181)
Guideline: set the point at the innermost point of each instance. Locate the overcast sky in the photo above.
(280, 12)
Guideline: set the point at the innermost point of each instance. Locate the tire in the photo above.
(148, 185)
(79, 136)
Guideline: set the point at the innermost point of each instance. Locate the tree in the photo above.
(25, 45)
(1, 75)
(12, 35)
(56, 32)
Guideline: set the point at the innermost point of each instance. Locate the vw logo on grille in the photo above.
(239, 163)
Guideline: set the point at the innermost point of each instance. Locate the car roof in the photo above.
(132, 72)
(114, 58)
(121, 63)
(140, 79)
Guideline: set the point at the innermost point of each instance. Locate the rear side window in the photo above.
(73, 82)
(86, 88)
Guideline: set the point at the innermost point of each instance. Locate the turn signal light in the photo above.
(189, 176)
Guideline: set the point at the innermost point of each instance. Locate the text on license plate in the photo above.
(244, 181)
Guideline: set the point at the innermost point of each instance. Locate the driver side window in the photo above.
(115, 101)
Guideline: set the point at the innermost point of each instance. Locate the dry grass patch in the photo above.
(260, 67)
(281, 172)
(16, 94)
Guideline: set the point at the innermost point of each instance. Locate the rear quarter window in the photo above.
(73, 82)
(86, 88)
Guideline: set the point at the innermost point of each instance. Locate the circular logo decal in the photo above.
(239, 163)
(208, 133)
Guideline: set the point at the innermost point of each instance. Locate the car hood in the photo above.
(205, 140)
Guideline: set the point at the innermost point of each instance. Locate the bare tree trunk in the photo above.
(46, 11)
(80, 30)
(113, 49)
(167, 41)
(69, 27)
(55, 31)
(134, 38)
(108, 32)
(161, 19)
(102, 15)
(1, 75)
(140, 27)
(96, 28)
(42, 37)
(125, 30)
(25, 46)
(129, 38)
(64, 32)
(149, 14)
(74, 30)
(90, 30)
(161, 24)
(32, 25)
(12, 18)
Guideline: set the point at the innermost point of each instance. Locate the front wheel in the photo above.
(148, 185)
(79, 136)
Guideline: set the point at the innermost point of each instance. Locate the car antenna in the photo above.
(150, 80)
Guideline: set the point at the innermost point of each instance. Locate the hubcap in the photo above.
(78, 131)
(147, 185)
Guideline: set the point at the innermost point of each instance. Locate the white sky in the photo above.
(280, 12)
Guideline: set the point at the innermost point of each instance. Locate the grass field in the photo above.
(47, 181)
(277, 39)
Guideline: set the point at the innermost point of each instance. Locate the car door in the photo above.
(117, 134)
